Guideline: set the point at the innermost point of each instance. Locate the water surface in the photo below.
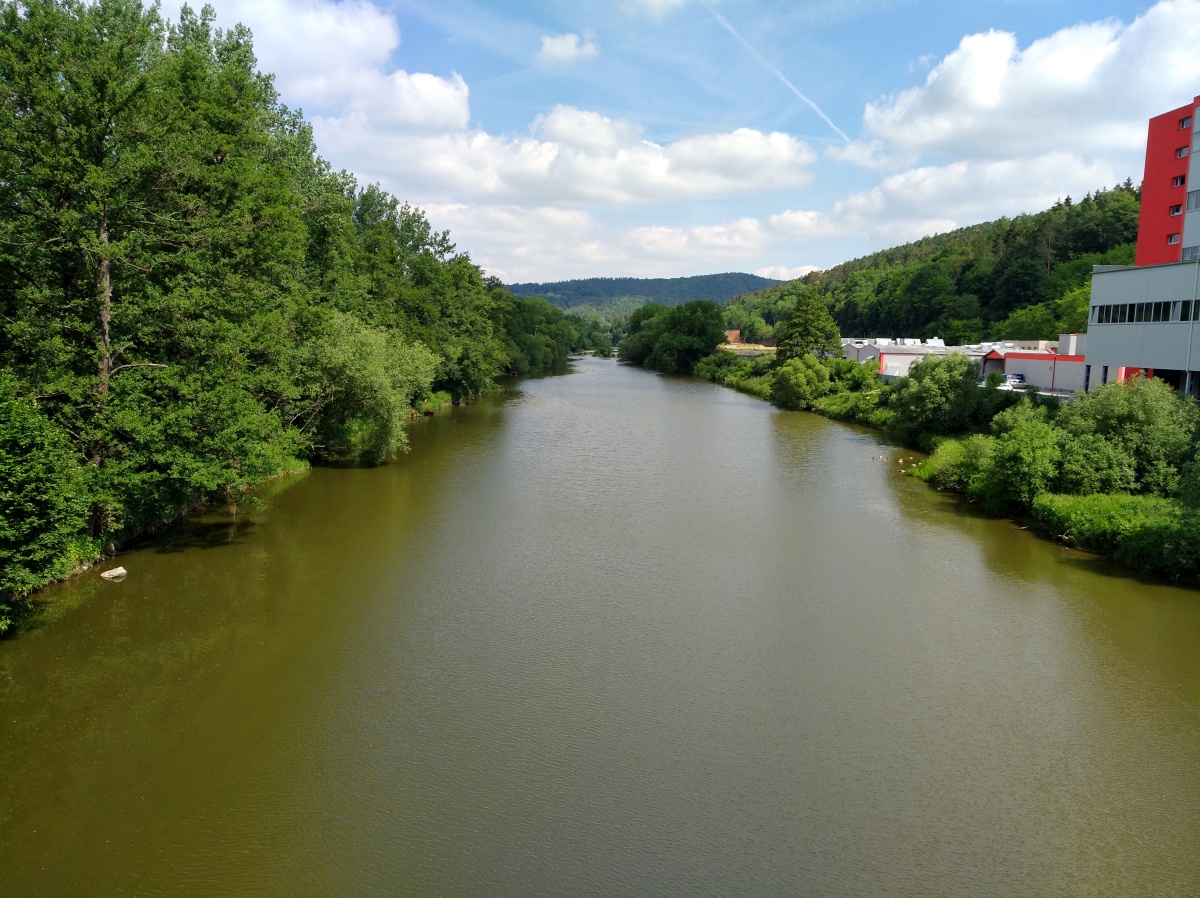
(608, 633)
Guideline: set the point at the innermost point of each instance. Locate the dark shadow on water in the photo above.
(201, 534)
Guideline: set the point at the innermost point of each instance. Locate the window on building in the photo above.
(1193, 200)
(1185, 122)
(1172, 239)
(1104, 374)
(1181, 152)
(1185, 310)
(1139, 312)
(1179, 180)
(1177, 209)
(1191, 253)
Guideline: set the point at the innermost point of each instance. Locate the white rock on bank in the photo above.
(117, 573)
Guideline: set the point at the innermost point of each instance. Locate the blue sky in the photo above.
(661, 138)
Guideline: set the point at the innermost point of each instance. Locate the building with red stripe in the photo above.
(1143, 318)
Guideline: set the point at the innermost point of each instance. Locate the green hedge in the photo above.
(1150, 534)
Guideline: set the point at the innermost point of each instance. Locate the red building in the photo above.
(1167, 195)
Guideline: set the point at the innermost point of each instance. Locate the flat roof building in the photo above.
(1143, 318)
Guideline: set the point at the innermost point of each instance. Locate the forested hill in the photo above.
(1022, 278)
(598, 292)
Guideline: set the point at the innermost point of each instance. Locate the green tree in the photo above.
(798, 382)
(690, 333)
(807, 328)
(361, 384)
(1090, 463)
(1149, 422)
(642, 331)
(1024, 459)
(1028, 323)
(41, 507)
(940, 395)
(1072, 310)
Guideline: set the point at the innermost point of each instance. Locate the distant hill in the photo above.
(1022, 278)
(602, 292)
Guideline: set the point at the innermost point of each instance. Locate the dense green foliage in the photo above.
(603, 292)
(805, 327)
(191, 300)
(673, 339)
(1025, 278)
(1112, 471)
(1009, 279)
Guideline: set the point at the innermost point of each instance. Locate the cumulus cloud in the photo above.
(519, 244)
(934, 199)
(572, 156)
(567, 48)
(353, 41)
(1088, 88)
(1065, 114)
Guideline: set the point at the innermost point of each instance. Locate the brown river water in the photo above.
(608, 633)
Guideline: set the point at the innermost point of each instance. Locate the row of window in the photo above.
(1135, 312)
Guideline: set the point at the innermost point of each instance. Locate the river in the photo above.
(608, 633)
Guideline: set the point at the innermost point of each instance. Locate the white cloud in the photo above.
(785, 273)
(933, 199)
(567, 48)
(802, 224)
(1065, 114)
(573, 156)
(1087, 89)
(519, 244)
(353, 80)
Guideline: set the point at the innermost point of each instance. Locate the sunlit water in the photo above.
(608, 633)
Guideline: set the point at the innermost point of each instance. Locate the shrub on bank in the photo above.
(747, 375)
(1149, 534)
(41, 513)
(959, 465)
(798, 382)
(1101, 521)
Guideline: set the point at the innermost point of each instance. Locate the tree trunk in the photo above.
(104, 295)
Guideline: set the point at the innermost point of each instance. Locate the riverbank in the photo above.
(1114, 472)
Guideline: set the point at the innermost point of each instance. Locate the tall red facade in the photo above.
(1165, 187)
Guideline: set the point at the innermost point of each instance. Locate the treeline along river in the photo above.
(607, 633)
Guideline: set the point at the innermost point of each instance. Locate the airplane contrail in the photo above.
(725, 23)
